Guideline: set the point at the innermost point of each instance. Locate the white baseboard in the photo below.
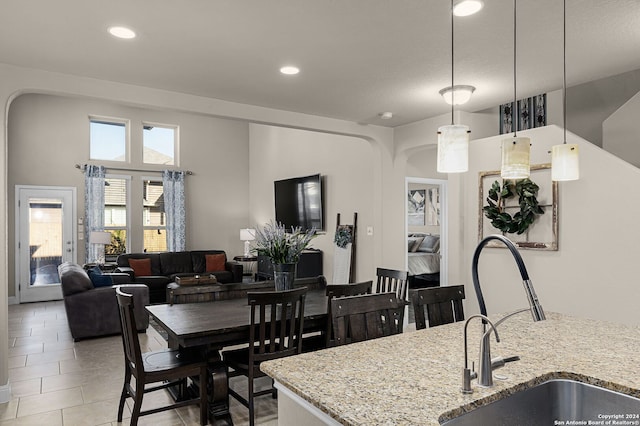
(5, 393)
(13, 300)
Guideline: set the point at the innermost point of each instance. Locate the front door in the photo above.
(45, 239)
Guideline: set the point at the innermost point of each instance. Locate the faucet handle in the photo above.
(466, 381)
(499, 361)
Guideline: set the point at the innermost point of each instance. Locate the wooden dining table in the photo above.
(219, 324)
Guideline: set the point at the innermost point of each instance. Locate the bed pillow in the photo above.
(413, 243)
(430, 244)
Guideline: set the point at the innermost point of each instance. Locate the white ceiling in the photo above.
(358, 57)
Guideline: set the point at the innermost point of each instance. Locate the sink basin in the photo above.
(558, 399)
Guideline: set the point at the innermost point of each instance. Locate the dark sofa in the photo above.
(93, 311)
(166, 266)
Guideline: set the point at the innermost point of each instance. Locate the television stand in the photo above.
(309, 266)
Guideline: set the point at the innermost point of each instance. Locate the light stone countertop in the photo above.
(414, 378)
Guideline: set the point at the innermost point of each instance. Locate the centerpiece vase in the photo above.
(283, 275)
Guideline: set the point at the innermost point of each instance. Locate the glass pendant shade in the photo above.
(457, 95)
(565, 164)
(515, 158)
(453, 148)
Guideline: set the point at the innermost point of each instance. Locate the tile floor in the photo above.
(58, 382)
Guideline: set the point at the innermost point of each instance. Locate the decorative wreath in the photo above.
(343, 236)
(526, 190)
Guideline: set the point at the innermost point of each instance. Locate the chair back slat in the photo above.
(443, 305)
(391, 280)
(130, 342)
(343, 290)
(365, 317)
(281, 334)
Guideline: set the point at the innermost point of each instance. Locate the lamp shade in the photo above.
(565, 164)
(100, 237)
(453, 148)
(457, 95)
(515, 158)
(247, 234)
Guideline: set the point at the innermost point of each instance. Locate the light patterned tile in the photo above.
(63, 381)
(33, 359)
(52, 418)
(17, 361)
(26, 349)
(49, 401)
(58, 346)
(100, 390)
(34, 371)
(9, 410)
(26, 387)
(32, 340)
(96, 413)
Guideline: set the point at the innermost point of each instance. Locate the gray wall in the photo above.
(48, 135)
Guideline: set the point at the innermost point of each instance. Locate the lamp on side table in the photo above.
(101, 238)
(247, 235)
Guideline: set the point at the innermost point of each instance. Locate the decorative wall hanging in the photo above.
(530, 112)
(415, 207)
(433, 207)
(525, 225)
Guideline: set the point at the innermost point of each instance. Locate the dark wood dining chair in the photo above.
(169, 366)
(277, 319)
(358, 318)
(325, 339)
(392, 280)
(443, 305)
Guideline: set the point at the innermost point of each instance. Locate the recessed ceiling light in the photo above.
(467, 7)
(290, 70)
(386, 115)
(122, 32)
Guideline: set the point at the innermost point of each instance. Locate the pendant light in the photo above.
(453, 140)
(565, 163)
(515, 150)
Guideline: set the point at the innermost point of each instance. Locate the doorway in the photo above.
(431, 220)
(45, 238)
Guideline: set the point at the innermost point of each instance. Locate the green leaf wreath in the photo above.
(342, 236)
(527, 191)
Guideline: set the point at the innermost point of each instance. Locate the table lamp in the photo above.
(100, 238)
(247, 235)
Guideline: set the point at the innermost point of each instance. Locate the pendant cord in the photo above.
(514, 112)
(564, 68)
(453, 92)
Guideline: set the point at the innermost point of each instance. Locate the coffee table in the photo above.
(204, 291)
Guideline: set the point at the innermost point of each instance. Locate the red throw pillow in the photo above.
(141, 267)
(215, 262)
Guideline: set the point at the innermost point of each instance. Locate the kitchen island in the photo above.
(415, 378)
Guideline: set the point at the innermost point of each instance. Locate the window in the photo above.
(154, 221)
(107, 140)
(115, 216)
(159, 144)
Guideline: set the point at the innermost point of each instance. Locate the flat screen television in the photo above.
(298, 202)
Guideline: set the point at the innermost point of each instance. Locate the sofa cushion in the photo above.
(214, 262)
(175, 263)
(98, 279)
(73, 279)
(141, 267)
(199, 260)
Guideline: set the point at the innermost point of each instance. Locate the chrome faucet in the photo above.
(536, 309)
(486, 363)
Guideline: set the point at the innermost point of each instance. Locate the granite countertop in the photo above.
(415, 377)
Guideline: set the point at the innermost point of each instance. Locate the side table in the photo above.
(251, 260)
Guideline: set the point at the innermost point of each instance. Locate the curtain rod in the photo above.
(83, 167)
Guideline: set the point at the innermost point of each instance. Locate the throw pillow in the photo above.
(431, 244)
(215, 262)
(141, 267)
(98, 279)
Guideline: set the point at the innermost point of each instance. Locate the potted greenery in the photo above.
(283, 248)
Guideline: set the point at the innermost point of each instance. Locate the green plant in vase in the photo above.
(283, 248)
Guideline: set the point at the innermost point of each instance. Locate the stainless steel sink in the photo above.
(554, 400)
